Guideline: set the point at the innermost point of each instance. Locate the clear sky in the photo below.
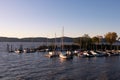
(44, 18)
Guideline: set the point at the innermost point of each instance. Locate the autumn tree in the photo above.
(118, 45)
(111, 37)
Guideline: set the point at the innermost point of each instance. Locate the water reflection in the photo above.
(65, 60)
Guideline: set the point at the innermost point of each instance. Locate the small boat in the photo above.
(106, 54)
(66, 55)
(63, 54)
(18, 51)
(101, 54)
(88, 54)
(77, 52)
(26, 50)
(113, 54)
(97, 54)
(52, 54)
(94, 53)
(83, 54)
(116, 53)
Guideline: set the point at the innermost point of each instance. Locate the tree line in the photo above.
(98, 42)
(87, 43)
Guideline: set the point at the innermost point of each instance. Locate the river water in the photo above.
(35, 66)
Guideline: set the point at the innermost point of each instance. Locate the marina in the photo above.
(59, 40)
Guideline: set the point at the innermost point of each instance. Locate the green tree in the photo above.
(79, 41)
(95, 40)
(111, 37)
(83, 41)
(87, 41)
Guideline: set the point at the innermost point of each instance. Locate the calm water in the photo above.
(34, 66)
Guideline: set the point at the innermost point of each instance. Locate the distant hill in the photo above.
(37, 39)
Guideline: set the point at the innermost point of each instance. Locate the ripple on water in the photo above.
(35, 66)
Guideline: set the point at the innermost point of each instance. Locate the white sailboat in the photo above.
(64, 54)
(53, 53)
(20, 50)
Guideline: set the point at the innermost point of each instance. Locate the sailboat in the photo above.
(53, 53)
(20, 50)
(65, 54)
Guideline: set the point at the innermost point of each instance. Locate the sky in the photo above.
(44, 18)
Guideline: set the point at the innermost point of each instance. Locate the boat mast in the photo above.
(47, 42)
(62, 38)
(55, 42)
